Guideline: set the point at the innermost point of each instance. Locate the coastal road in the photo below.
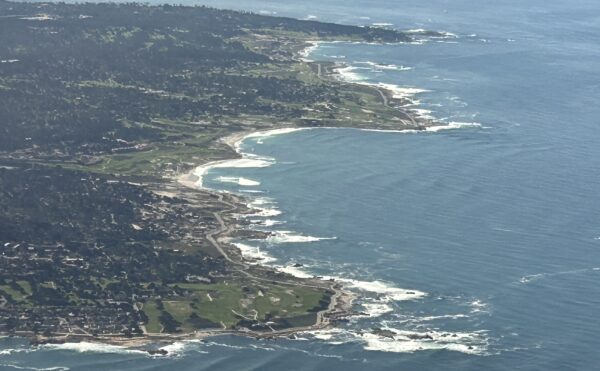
(212, 236)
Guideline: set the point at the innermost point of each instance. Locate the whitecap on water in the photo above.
(238, 180)
(411, 341)
(294, 271)
(292, 237)
(254, 253)
(377, 309)
(453, 125)
(89, 347)
(385, 290)
(178, 348)
(264, 207)
(245, 162)
(17, 367)
(534, 277)
(348, 73)
(478, 306)
(389, 339)
(265, 222)
(381, 66)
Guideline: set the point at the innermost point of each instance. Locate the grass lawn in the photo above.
(217, 302)
(151, 310)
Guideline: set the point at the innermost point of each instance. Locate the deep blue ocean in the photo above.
(478, 247)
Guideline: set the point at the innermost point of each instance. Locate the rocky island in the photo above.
(102, 108)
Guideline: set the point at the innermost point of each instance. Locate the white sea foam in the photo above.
(271, 222)
(347, 74)
(410, 341)
(39, 17)
(294, 271)
(380, 66)
(238, 180)
(179, 347)
(382, 24)
(265, 222)
(175, 348)
(377, 309)
(265, 212)
(385, 290)
(449, 34)
(6, 352)
(404, 131)
(531, 277)
(424, 113)
(292, 237)
(254, 253)
(400, 92)
(259, 136)
(453, 125)
(333, 335)
(245, 162)
(264, 207)
(416, 30)
(442, 34)
(215, 344)
(261, 201)
(435, 318)
(534, 277)
(88, 347)
(305, 54)
(17, 367)
(478, 306)
(402, 341)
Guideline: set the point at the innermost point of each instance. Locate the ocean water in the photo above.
(478, 247)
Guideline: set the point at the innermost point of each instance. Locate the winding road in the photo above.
(321, 319)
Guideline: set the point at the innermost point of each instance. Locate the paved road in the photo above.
(321, 321)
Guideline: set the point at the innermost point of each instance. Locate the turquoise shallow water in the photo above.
(479, 247)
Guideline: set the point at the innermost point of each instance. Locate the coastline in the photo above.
(341, 302)
(214, 224)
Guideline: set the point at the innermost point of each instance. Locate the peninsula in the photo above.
(102, 108)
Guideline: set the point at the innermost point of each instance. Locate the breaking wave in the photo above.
(238, 180)
(292, 237)
(387, 339)
(88, 347)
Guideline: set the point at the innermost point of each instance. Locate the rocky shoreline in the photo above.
(341, 301)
